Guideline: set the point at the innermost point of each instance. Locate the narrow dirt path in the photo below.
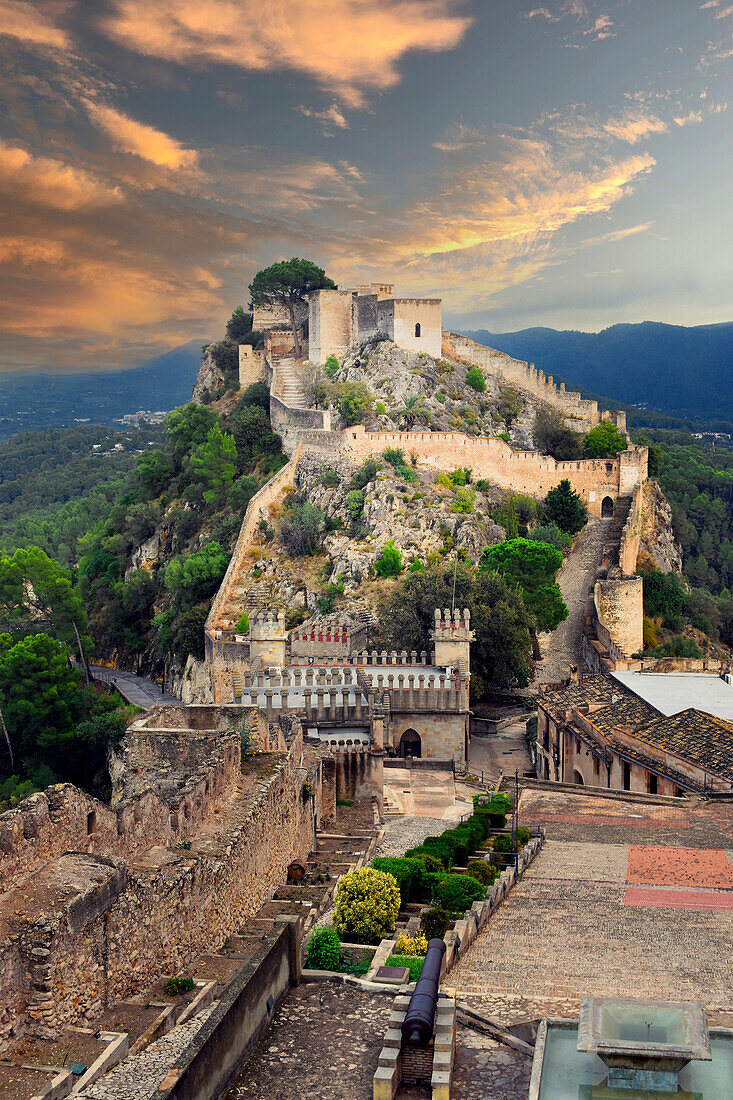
(561, 648)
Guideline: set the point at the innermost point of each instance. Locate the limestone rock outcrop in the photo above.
(658, 548)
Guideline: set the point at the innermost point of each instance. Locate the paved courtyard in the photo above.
(325, 1041)
(626, 898)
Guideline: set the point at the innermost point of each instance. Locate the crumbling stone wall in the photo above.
(81, 927)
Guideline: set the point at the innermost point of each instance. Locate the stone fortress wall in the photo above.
(99, 902)
(338, 319)
(581, 414)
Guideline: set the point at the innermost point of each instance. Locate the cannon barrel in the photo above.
(417, 1026)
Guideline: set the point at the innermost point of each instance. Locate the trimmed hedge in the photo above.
(408, 873)
(458, 892)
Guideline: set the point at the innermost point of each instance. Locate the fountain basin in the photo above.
(644, 1044)
(561, 1072)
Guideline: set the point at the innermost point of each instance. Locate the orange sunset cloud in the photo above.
(346, 45)
(143, 141)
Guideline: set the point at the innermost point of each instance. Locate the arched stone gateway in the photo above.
(607, 507)
(578, 778)
(410, 744)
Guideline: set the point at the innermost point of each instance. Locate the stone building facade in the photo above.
(405, 704)
(338, 319)
(594, 732)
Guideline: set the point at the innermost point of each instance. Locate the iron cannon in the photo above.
(417, 1027)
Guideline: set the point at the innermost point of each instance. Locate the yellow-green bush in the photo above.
(367, 905)
(412, 945)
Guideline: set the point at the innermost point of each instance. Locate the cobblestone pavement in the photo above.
(140, 1075)
(325, 1041)
(561, 648)
(565, 931)
(408, 832)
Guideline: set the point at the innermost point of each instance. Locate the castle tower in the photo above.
(452, 638)
(267, 638)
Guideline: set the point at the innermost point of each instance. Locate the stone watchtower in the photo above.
(267, 638)
(452, 638)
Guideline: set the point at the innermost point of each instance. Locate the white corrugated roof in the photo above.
(671, 692)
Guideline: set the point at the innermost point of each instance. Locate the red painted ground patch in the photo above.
(691, 867)
(655, 897)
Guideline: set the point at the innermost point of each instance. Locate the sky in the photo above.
(567, 165)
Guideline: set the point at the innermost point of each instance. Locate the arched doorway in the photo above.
(607, 507)
(410, 745)
(578, 778)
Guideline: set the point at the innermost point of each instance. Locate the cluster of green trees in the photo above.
(553, 437)
(195, 489)
(52, 725)
(54, 486)
(511, 595)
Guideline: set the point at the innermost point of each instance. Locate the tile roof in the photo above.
(628, 711)
(590, 689)
(705, 741)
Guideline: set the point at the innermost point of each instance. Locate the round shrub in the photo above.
(324, 950)
(435, 923)
(481, 871)
(367, 905)
(457, 892)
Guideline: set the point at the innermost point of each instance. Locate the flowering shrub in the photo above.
(412, 945)
(367, 905)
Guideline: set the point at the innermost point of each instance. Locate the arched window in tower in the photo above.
(418, 331)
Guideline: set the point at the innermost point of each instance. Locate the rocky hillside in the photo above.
(323, 547)
(411, 389)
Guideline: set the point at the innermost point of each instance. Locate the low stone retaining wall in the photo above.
(460, 938)
(208, 1066)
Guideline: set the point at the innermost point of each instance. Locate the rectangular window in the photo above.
(627, 775)
(652, 783)
(596, 766)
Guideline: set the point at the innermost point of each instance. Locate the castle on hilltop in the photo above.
(332, 321)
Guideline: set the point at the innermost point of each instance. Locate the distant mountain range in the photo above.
(684, 371)
(30, 401)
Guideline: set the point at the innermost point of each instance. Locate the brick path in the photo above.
(570, 928)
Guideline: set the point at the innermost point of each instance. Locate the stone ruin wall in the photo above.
(86, 920)
(58, 820)
(519, 471)
(584, 414)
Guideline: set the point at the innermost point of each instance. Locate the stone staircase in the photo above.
(287, 384)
